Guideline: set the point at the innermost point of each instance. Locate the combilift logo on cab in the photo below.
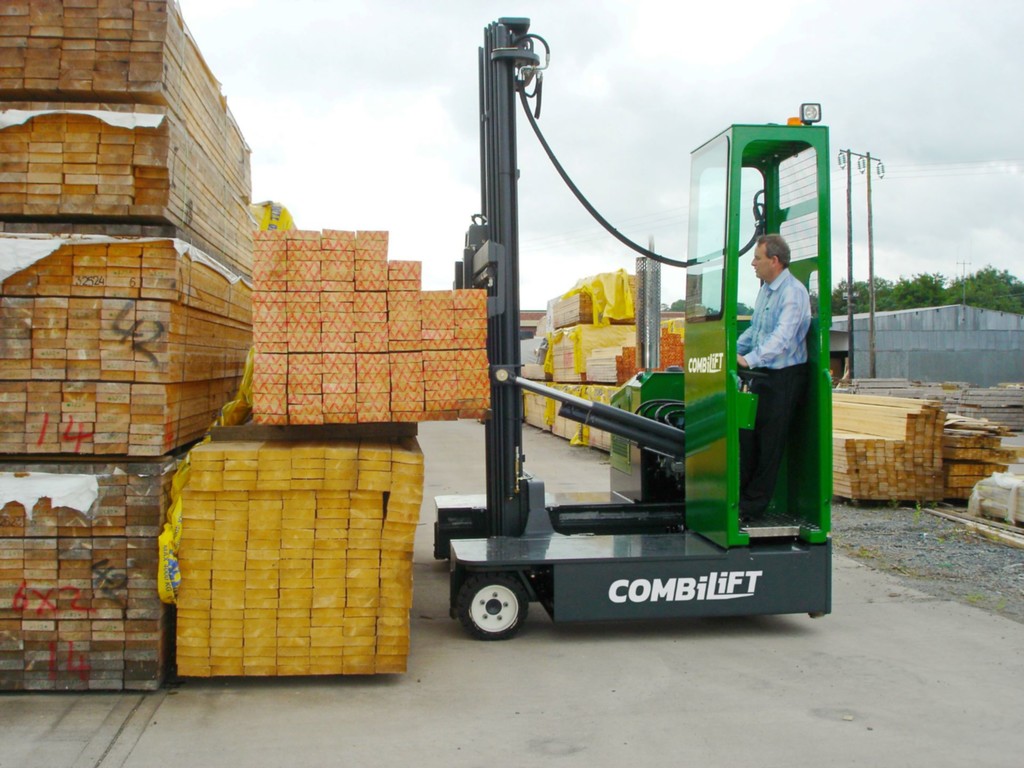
(728, 585)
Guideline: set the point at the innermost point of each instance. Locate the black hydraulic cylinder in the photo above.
(645, 432)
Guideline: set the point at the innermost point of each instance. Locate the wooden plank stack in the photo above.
(671, 353)
(972, 451)
(62, 64)
(1003, 404)
(78, 603)
(601, 365)
(571, 348)
(342, 335)
(577, 309)
(296, 558)
(887, 448)
(117, 348)
(112, 130)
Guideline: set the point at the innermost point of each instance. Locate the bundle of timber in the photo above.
(601, 365)
(999, 497)
(296, 558)
(78, 603)
(887, 448)
(672, 352)
(111, 114)
(343, 335)
(570, 348)
(121, 162)
(577, 309)
(972, 451)
(116, 347)
(1003, 404)
(538, 411)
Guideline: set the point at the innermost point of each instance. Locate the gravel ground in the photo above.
(933, 555)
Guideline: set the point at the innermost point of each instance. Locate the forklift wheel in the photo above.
(492, 606)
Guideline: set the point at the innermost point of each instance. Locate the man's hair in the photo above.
(774, 245)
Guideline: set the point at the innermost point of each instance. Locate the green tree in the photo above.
(988, 288)
(862, 296)
(924, 290)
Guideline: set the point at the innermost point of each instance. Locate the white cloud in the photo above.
(364, 115)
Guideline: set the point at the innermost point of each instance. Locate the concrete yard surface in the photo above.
(891, 678)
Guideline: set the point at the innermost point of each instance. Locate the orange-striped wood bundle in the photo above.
(342, 335)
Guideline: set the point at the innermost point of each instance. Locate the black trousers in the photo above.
(779, 393)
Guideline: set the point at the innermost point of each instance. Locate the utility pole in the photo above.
(864, 166)
(844, 159)
(963, 281)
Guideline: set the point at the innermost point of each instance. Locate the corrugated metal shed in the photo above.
(953, 343)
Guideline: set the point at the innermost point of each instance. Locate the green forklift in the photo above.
(665, 540)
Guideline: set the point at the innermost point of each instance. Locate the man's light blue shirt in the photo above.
(777, 336)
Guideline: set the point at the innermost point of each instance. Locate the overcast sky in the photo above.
(363, 115)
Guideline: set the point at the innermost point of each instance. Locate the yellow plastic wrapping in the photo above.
(584, 340)
(271, 216)
(611, 295)
(233, 413)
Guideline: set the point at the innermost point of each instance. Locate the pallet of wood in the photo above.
(999, 497)
(577, 309)
(1003, 404)
(538, 411)
(296, 558)
(570, 348)
(887, 448)
(601, 365)
(116, 346)
(972, 451)
(671, 353)
(107, 418)
(344, 335)
(78, 558)
(120, 162)
(71, 76)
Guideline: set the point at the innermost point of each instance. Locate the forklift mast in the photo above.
(491, 260)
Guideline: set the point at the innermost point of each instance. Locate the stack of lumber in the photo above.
(671, 352)
(297, 558)
(577, 309)
(111, 126)
(78, 603)
(117, 347)
(887, 448)
(112, 114)
(343, 335)
(971, 452)
(999, 497)
(570, 348)
(601, 365)
(1003, 404)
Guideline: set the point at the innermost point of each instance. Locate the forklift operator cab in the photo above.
(790, 164)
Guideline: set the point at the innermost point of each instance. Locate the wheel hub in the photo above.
(494, 608)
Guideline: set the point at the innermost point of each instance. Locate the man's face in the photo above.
(766, 269)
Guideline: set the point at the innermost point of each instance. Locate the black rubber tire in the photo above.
(492, 606)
